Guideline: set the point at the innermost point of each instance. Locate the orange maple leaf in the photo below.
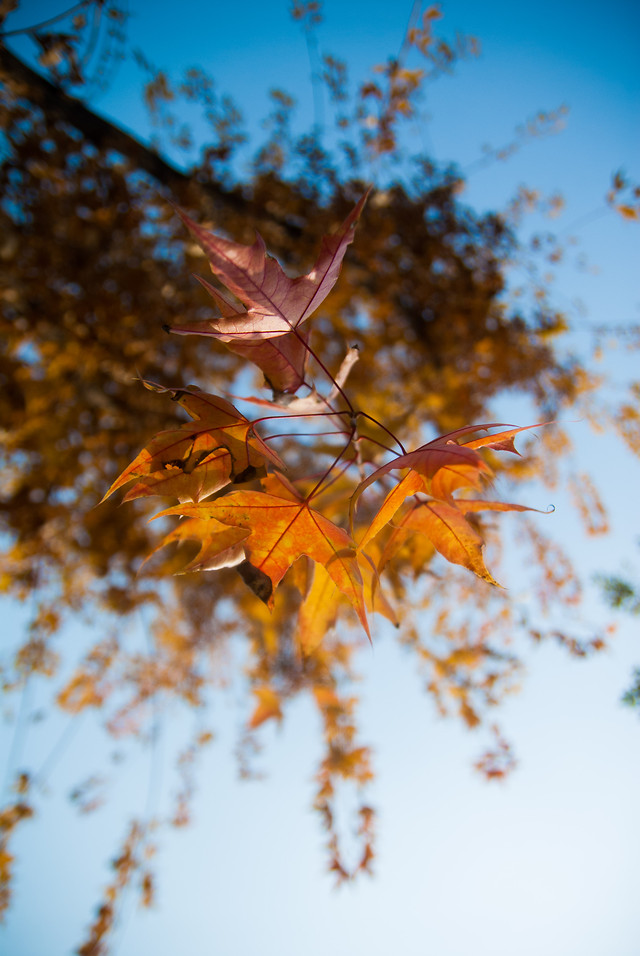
(279, 531)
(322, 600)
(450, 533)
(438, 469)
(220, 544)
(198, 458)
(318, 612)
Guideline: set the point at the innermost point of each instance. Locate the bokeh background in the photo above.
(543, 861)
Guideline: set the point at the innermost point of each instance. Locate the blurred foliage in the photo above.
(631, 697)
(621, 594)
(94, 262)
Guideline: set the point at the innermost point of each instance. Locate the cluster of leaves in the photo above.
(241, 507)
(264, 532)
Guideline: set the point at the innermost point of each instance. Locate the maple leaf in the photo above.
(267, 330)
(321, 604)
(280, 531)
(220, 544)
(318, 612)
(375, 597)
(282, 358)
(439, 468)
(450, 533)
(198, 458)
(442, 465)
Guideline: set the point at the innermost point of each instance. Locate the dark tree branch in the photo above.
(105, 135)
(189, 187)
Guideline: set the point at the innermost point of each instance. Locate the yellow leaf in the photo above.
(268, 707)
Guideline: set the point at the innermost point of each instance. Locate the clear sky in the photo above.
(547, 861)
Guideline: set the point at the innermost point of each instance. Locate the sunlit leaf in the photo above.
(281, 530)
(196, 459)
(267, 331)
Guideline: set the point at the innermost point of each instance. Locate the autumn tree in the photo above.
(420, 336)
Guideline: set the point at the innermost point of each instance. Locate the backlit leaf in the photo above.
(196, 459)
(438, 469)
(281, 530)
(451, 534)
(220, 544)
(275, 305)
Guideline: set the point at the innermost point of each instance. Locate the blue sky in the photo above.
(546, 862)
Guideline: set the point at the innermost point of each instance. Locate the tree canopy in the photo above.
(95, 263)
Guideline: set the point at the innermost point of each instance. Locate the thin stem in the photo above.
(344, 467)
(298, 435)
(124, 916)
(335, 461)
(59, 747)
(585, 220)
(314, 73)
(273, 418)
(93, 37)
(324, 368)
(384, 429)
(405, 46)
(374, 441)
(46, 23)
(19, 733)
(269, 418)
(155, 763)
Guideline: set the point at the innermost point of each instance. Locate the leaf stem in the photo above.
(335, 461)
(324, 368)
(346, 465)
(374, 441)
(297, 435)
(384, 429)
(269, 418)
